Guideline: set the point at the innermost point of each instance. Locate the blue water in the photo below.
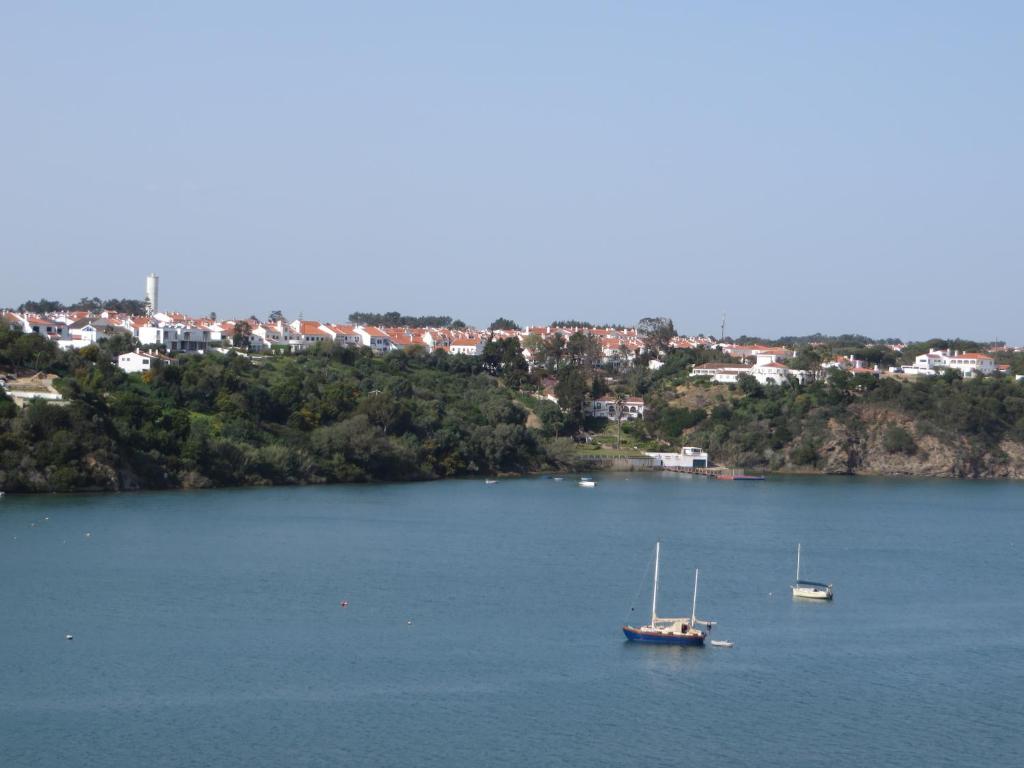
(208, 631)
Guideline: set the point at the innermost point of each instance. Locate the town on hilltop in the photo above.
(155, 336)
(186, 401)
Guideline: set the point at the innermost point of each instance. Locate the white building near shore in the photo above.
(687, 458)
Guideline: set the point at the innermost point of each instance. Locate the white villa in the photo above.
(766, 370)
(937, 360)
(607, 408)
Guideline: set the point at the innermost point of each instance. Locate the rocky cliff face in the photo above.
(862, 449)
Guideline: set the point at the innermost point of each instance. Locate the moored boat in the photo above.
(664, 630)
(813, 590)
(586, 482)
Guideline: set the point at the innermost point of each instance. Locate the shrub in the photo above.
(899, 440)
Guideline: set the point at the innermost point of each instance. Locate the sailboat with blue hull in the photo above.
(669, 631)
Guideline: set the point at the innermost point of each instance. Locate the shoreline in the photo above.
(540, 474)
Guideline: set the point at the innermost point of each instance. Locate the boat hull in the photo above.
(812, 594)
(637, 635)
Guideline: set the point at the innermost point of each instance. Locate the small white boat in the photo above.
(558, 479)
(69, 637)
(490, 482)
(586, 483)
(722, 643)
(812, 590)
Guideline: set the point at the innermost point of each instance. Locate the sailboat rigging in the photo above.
(668, 630)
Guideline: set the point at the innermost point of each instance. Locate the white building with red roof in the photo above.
(968, 363)
(377, 340)
(55, 330)
(342, 335)
(467, 345)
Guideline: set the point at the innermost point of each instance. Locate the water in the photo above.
(208, 631)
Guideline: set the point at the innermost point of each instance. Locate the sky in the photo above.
(800, 166)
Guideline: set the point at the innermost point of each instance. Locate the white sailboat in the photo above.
(814, 590)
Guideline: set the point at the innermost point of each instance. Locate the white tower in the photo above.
(152, 286)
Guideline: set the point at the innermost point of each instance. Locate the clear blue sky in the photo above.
(802, 166)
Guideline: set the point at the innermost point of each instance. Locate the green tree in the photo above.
(656, 332)
(504, 324)
(572, 390)
(242, 335)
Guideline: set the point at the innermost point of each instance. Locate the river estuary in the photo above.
(481, 625)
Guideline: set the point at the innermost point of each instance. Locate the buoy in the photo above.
(409, 621)
(87, 535)
(343, 603)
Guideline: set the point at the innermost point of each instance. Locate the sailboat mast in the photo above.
(798, 561)
(654, 597)
(693, 611)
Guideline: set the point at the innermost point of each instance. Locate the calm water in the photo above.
(208, 631)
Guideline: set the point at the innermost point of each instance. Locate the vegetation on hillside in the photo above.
(396, 319)
(340, 415)
(332, 415)
(973, 422)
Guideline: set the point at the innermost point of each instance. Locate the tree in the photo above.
(583, 351)
(41, 307)
(504, 324)
(275, 316)
(656, 332)
(553, 351)
(504, 357)
(571, 391)
(242, 335)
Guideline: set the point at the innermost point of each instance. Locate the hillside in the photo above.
(333, 415)
(939, 427)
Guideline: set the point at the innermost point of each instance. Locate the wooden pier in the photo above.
(705, 471)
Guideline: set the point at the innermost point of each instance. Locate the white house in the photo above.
(343, 335)
(469, 345)
(306, 333)
(968, 363)
(140, 362)
(43, 326)
(374, 338)
(764, 373)
(176, 338)
(608, 408)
